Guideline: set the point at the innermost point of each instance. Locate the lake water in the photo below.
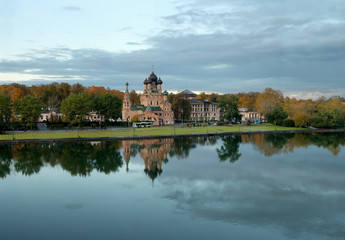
(262, 186)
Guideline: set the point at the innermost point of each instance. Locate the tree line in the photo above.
(277, 109)
(77, 101)
(21, 105)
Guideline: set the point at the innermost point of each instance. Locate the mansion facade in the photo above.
(154, 105)
(202, 110)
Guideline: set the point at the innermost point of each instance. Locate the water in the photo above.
(273, 186)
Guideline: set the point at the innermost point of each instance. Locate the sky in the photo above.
(223, 46)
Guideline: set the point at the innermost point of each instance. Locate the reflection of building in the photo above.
(201, 109)
(154, 105)
(152, 151)
(249, 115)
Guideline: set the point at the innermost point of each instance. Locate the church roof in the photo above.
(152, 78)
(165, 92)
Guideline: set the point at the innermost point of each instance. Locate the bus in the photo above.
(142, 124)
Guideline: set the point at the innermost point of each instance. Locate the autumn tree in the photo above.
(77, 88)
(29, 109)
(134, 97)
(76, 107)
(95, 91)
(268, 100)
(301, 119)
(181, 107)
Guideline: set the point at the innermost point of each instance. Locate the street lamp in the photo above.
(182, 115)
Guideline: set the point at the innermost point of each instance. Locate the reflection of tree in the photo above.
(274, 143)
(331, 141)
(229, 149)
(270, 144)
(80, 158)
(106, 157)
(28, 159)
(181, 147)
(278, 140)
(5, 160)
(74, 158)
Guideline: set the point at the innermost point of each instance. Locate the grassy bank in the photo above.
(128, 132)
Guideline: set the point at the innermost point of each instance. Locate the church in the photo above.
(154, 105)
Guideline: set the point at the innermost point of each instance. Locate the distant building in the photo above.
(154, 105)
(251, 116)
(201, 110)
(47, 115)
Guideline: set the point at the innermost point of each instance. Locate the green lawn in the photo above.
(125, 132)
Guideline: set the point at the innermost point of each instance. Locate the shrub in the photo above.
(288, 123)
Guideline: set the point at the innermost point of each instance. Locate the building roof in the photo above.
(200, 100)
(165, 92)
(144, 108)
(187, 92)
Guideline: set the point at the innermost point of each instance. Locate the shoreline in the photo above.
(86, 139)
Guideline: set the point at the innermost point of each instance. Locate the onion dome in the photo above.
(159, 81)
(146, 82)
(126, 83)
(152, 78)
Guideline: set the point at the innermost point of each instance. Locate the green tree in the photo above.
(276, 116)
(181, 107)
(322, 119)
(29, 109)
(76, 107)
(5, 112)
(109, 106)
(229, 106)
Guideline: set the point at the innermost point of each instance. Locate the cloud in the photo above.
(240, 46)
(72, 8)
(133, 43)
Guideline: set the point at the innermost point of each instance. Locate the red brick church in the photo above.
(154, 105)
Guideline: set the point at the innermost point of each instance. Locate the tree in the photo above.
(181, 107)
(134, 97)
(109, 106)
(29, 109)
(5, 112)
(269, 99)
(301, 119)
(229, 106)
(135, 118)
(76, 107)
(276, 116)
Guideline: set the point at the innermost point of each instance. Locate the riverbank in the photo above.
(145, 133)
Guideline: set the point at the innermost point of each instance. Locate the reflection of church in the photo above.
(154, 105)
(152, 151)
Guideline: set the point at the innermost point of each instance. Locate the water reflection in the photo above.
(78, 158)
(81, 158)
(229, 149)
(152, 151)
